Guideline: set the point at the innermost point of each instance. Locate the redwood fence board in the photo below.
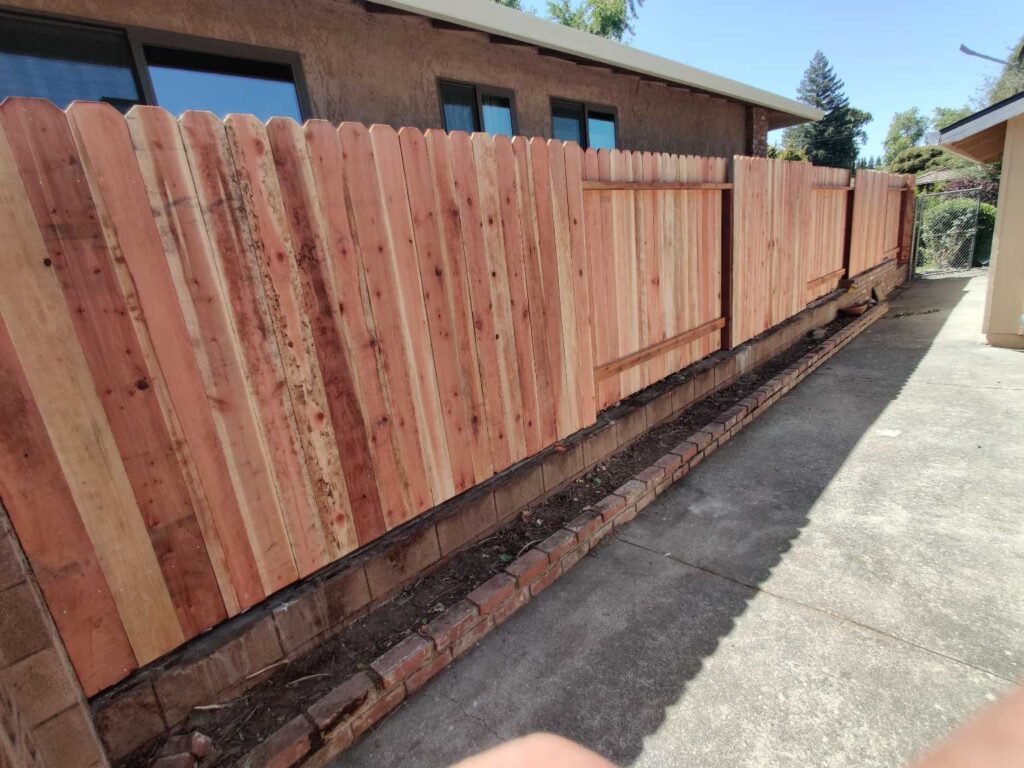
(232, 353)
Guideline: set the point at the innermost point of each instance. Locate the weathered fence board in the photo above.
(231, 353)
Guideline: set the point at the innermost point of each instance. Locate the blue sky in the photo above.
(892, 54)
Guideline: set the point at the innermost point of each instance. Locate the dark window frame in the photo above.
(588, 107)
(139, 38)
(480, 90)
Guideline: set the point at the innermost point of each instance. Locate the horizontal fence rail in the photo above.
(231, 353)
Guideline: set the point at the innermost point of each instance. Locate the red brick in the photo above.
(562, 464)
(129, 720)
(68, 739)
(669, 463)
(528, 567)
(403, 562)
(492, 592)
(598, 535)
(395, 665)
(631, 490)
(598, 443)
(686, 450)
(285, 747)
(23, 630)
(584, 524)
(449, 626)
(504, 611)
(195, 744)
(473, 636)
(609, 506)
(342, 701)
(523, 485)
(750, 403)
(332, 744)
(180, 760)
(569, 559)
(466, 522)
(377, 710)
(345, 594)
(714, 429)
(421, 676)
(681, 472)
(546, 579)
(650, 476)
(701, 439)
(626, 515)
(557, 544)
(43, 686)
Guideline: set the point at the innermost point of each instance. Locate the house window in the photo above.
(63, 60)
(468, 107)
(184, 79)
(588, 125)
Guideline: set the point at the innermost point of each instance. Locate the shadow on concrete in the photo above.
(602, 655)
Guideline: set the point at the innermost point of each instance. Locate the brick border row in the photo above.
(331, 724)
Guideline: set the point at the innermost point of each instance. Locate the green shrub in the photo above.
(986, 229)
(947, 228)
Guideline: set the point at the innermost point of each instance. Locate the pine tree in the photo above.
(834, 140)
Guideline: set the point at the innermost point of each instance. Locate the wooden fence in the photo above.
(231, 353)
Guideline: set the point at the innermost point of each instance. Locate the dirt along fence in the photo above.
(232, 353)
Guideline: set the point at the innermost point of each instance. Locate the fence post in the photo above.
(727, 215)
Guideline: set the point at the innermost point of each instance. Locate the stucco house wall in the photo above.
(375, 67)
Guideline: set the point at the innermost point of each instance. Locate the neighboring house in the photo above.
(468, 65)
(996, 135)
(943, 175)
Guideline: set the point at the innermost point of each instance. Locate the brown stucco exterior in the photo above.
(377, 67)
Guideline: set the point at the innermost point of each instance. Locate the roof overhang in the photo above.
(981, 136)
(495, 19)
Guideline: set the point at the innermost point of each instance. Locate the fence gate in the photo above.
(946, 231)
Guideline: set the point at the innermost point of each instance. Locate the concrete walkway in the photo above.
(839, 585)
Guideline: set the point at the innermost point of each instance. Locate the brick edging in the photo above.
(331, 724)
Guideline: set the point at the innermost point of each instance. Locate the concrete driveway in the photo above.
(840, 585)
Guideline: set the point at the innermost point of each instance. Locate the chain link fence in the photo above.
(946, 227)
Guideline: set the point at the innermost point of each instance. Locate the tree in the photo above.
(922, 159)
(943, 116)
(1011, 81)
(515, 4)
(835, 139)
(905, 131)
(607, 18)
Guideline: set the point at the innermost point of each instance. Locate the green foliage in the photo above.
(833, 140)
(869, 163)
(606, 18)
(922, 159)
(947, 228)
(905, 131)
(943, 116)
(1011, 81)
(986, 231)
(515, 4)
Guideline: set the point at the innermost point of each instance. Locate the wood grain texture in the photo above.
(43, 337)
(274, 343)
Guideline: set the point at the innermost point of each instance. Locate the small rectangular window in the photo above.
(567, 121)
(185, 80)
(468, 107)
(588, 125)
(64, 62)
